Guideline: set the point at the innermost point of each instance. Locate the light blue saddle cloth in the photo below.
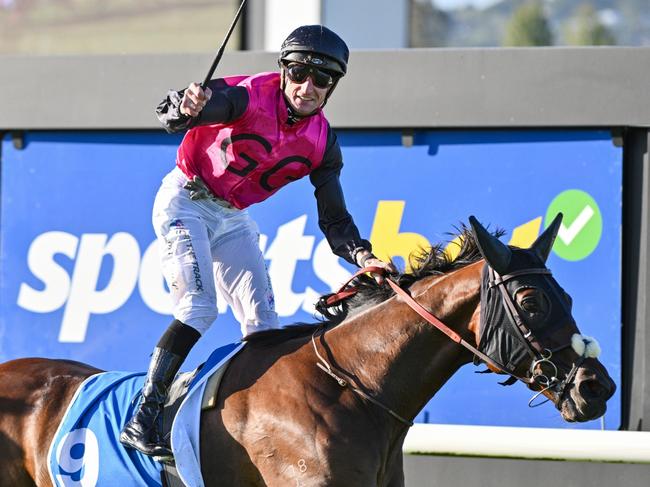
(86, 451)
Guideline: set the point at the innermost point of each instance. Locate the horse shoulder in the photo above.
(279, 418)
(236, 436)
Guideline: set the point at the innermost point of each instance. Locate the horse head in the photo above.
(527, 329)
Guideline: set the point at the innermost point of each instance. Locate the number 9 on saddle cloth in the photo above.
(86, 450)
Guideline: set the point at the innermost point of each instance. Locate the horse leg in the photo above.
(34, 396)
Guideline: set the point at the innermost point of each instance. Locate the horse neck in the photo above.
(391, 353)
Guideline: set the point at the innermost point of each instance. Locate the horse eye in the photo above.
(530, 304)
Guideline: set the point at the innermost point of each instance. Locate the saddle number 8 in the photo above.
(77, 456)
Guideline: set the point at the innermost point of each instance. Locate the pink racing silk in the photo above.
(249, 159)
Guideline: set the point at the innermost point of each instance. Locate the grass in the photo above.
(117, 27)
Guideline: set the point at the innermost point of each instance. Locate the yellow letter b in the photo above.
(387, 241)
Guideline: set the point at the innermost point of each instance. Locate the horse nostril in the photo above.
(593, 388)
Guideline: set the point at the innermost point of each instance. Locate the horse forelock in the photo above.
(434, 261)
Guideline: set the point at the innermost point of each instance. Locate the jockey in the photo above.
(247, 136)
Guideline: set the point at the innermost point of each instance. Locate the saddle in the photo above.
(98, 411)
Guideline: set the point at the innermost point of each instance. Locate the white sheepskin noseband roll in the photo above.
(585, 346)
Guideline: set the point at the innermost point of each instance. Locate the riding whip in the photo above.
(215, 63)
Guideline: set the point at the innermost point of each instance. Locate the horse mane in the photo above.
(434, 261)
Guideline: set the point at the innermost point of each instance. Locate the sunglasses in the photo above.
(298, 73)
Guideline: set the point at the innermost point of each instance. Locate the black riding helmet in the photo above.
(317, 46)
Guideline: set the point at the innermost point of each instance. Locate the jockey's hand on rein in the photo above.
(194, 100)
(369, 260)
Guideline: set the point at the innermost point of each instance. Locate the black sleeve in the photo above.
(227, 104)
(333, 217)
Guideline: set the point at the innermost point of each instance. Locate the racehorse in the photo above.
(330, 404)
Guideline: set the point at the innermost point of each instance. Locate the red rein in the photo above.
(345, 292)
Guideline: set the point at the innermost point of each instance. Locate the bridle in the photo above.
(541, 356)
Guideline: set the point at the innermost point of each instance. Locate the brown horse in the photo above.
(281, 420)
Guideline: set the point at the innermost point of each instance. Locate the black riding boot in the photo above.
(143, 431)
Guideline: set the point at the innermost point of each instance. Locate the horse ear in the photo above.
(545, 241)
(495, 253)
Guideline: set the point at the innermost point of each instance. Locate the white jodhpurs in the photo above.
(206, 245)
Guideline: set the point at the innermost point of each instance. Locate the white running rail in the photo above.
(529, 443)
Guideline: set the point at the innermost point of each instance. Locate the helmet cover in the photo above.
(317, 46)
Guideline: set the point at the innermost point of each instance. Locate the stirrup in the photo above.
(169, 460)
(144, 441)
(165, 457)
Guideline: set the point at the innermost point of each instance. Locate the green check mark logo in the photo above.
(582, 225)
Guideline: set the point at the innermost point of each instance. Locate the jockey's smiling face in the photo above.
(305, 87)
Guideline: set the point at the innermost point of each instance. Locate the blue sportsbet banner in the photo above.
(80, 279)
